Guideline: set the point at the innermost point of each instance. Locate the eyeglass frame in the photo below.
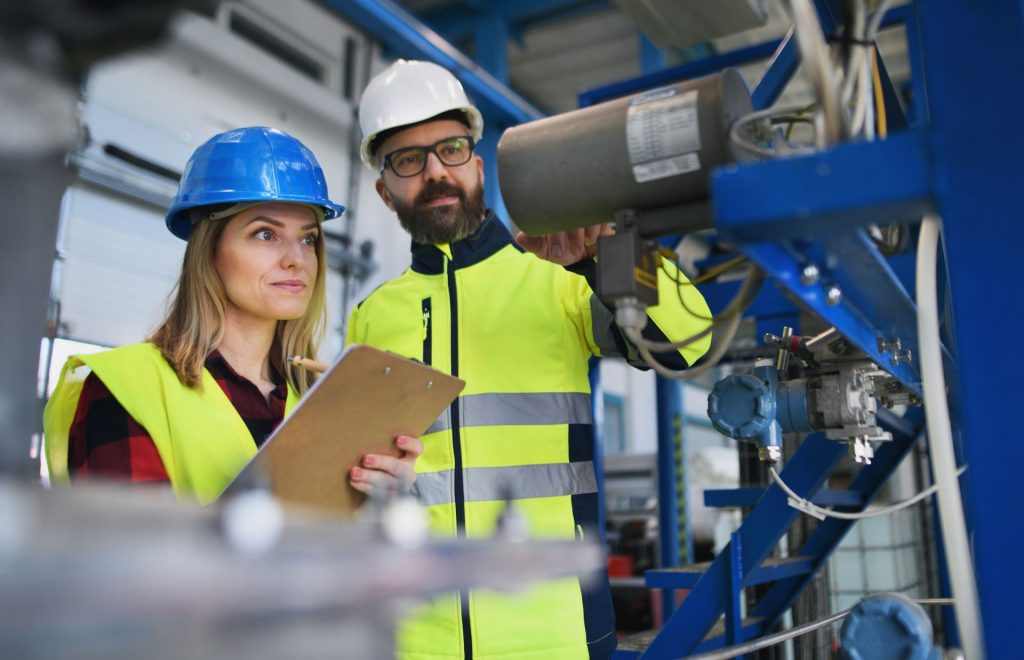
(427, 150)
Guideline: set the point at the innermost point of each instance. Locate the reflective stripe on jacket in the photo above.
(520, 332)
(202, 440)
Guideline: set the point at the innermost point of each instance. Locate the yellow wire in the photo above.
(879, 99)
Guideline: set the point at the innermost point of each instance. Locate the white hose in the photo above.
(940, 445)
(814, 55)
(811, 509)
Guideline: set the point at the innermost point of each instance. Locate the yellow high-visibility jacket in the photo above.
(520, 331)
(202, 440)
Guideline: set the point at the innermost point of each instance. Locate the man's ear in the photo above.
(384, 193)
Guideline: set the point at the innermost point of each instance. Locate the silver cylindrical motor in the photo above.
(649, 151)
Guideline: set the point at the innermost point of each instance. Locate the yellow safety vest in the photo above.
(520, 332)
(202, 440)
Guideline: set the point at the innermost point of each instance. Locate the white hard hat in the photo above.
(406, 93)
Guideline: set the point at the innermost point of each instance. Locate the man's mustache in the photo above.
(440, 189)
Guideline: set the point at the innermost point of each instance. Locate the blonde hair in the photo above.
(194, 326)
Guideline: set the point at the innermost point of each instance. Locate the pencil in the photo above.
(306, 363)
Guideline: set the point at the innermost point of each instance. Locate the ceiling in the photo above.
(556, 49)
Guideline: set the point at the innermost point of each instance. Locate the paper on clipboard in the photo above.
(366, 399)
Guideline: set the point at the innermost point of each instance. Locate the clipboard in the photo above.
(363, 401)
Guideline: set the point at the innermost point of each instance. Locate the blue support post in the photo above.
(652, 58)
(488, 151)
(734, 612)
(490, 42)
(806, 471)
(490, 45)
(675, 538)
(975, 158)
(819, 546)
(785, 60)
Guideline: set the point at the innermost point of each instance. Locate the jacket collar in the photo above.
(490, 237)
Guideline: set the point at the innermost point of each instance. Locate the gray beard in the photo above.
(442, 224)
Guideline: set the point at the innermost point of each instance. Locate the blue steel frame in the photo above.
(717, 590)
(964, 58)
(974, 189)
(976, 186)
(790, 212)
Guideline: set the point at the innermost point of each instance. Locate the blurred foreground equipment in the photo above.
(95, 572)
(45, 49)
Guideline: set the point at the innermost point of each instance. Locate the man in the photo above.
(519, 330)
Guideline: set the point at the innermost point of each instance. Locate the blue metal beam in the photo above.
(652, 58)
(460, 22)
(748, 496)
(490, 45)
(761, 530)
(977, 189)
(831, 531)
(680, 73)
(835, 190)
(408, 37)
(688, 577)
(785, 60)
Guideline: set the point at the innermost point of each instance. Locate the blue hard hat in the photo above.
(255, 164)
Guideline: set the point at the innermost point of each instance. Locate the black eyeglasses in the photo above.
(451, 151)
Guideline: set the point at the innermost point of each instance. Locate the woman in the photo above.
(192, 404)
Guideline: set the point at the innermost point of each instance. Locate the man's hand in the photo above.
(388, 474)
(566, 247)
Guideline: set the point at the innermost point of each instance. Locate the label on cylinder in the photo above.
(660, 169)
(663, 135)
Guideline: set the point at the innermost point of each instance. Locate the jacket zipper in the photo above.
(460, 492)
(427, 333)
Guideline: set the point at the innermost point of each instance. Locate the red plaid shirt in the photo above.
(105, 441)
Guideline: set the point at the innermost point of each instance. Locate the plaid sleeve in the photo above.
(106, 442)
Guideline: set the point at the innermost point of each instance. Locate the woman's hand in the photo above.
(380, 473)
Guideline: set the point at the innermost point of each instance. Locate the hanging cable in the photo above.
(875, 22)
(940, 446)
(786, 635)
(712, 273)
(814, 54)
(876, 78)
(808, 507)
(632, 319)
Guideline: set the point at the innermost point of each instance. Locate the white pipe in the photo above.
(940, 445)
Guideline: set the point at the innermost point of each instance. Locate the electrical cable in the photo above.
(711, 274)
(876, 78)
(734, 310)
(855, 33)
(849, 103)
(866, 93)
(800, 115)
(788, 115)
(786, 635)
(875, 22)
(808, 507)
(814, 54)
(715, 271)
(720, 341)
(940, 447)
